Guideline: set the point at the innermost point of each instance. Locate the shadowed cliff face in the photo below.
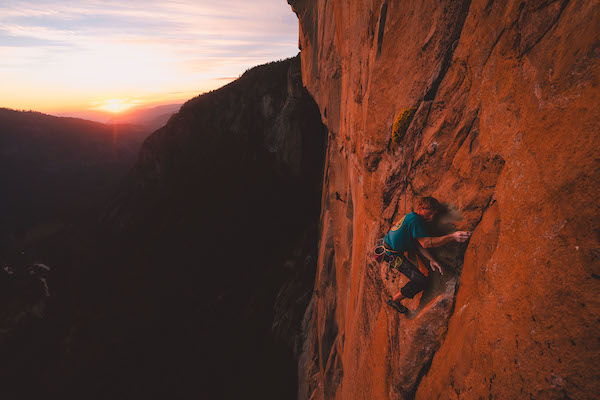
(197, 286)
(222, 209)
(500, 103)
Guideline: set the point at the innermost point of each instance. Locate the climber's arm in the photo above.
(458, 236)
(432, 261)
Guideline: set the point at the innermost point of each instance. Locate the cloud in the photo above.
(179, 28)
(168, 46)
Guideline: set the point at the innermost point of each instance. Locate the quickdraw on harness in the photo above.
(383, 252)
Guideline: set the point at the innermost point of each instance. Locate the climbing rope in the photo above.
(405, 195)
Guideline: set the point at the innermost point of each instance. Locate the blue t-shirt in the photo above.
(403, 236)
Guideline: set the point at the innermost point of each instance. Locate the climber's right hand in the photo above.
(461, 236)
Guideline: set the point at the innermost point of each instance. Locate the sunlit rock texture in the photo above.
(496, 105)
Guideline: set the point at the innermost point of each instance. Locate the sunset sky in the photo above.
(59, 56)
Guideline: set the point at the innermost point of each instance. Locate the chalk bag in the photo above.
(379, 253)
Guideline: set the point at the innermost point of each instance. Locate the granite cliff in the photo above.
(492, 107)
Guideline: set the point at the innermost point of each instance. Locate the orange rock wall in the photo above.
(506, 133)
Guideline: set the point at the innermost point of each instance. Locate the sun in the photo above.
(114, 106)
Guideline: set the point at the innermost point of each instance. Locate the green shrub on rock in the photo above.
(401, 124)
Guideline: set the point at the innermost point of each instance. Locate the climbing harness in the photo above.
(393, 268)
(379, 253)
(383, 252)
(395, 260)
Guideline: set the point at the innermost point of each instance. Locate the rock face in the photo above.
(496, 107)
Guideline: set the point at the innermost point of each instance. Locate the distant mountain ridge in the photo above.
(150, 118)
(153, 117)
(52, 167)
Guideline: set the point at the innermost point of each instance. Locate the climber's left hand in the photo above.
(434, 264)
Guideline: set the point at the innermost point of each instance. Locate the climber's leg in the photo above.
(418, 281)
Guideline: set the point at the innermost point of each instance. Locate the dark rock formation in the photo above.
(505, 132)
(227, 196)
(196, 285)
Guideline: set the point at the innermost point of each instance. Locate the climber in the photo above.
(40, 272)
(410, 234)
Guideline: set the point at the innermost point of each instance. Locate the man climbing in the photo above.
(410, 234)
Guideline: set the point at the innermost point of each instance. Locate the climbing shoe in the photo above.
(397, 306)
